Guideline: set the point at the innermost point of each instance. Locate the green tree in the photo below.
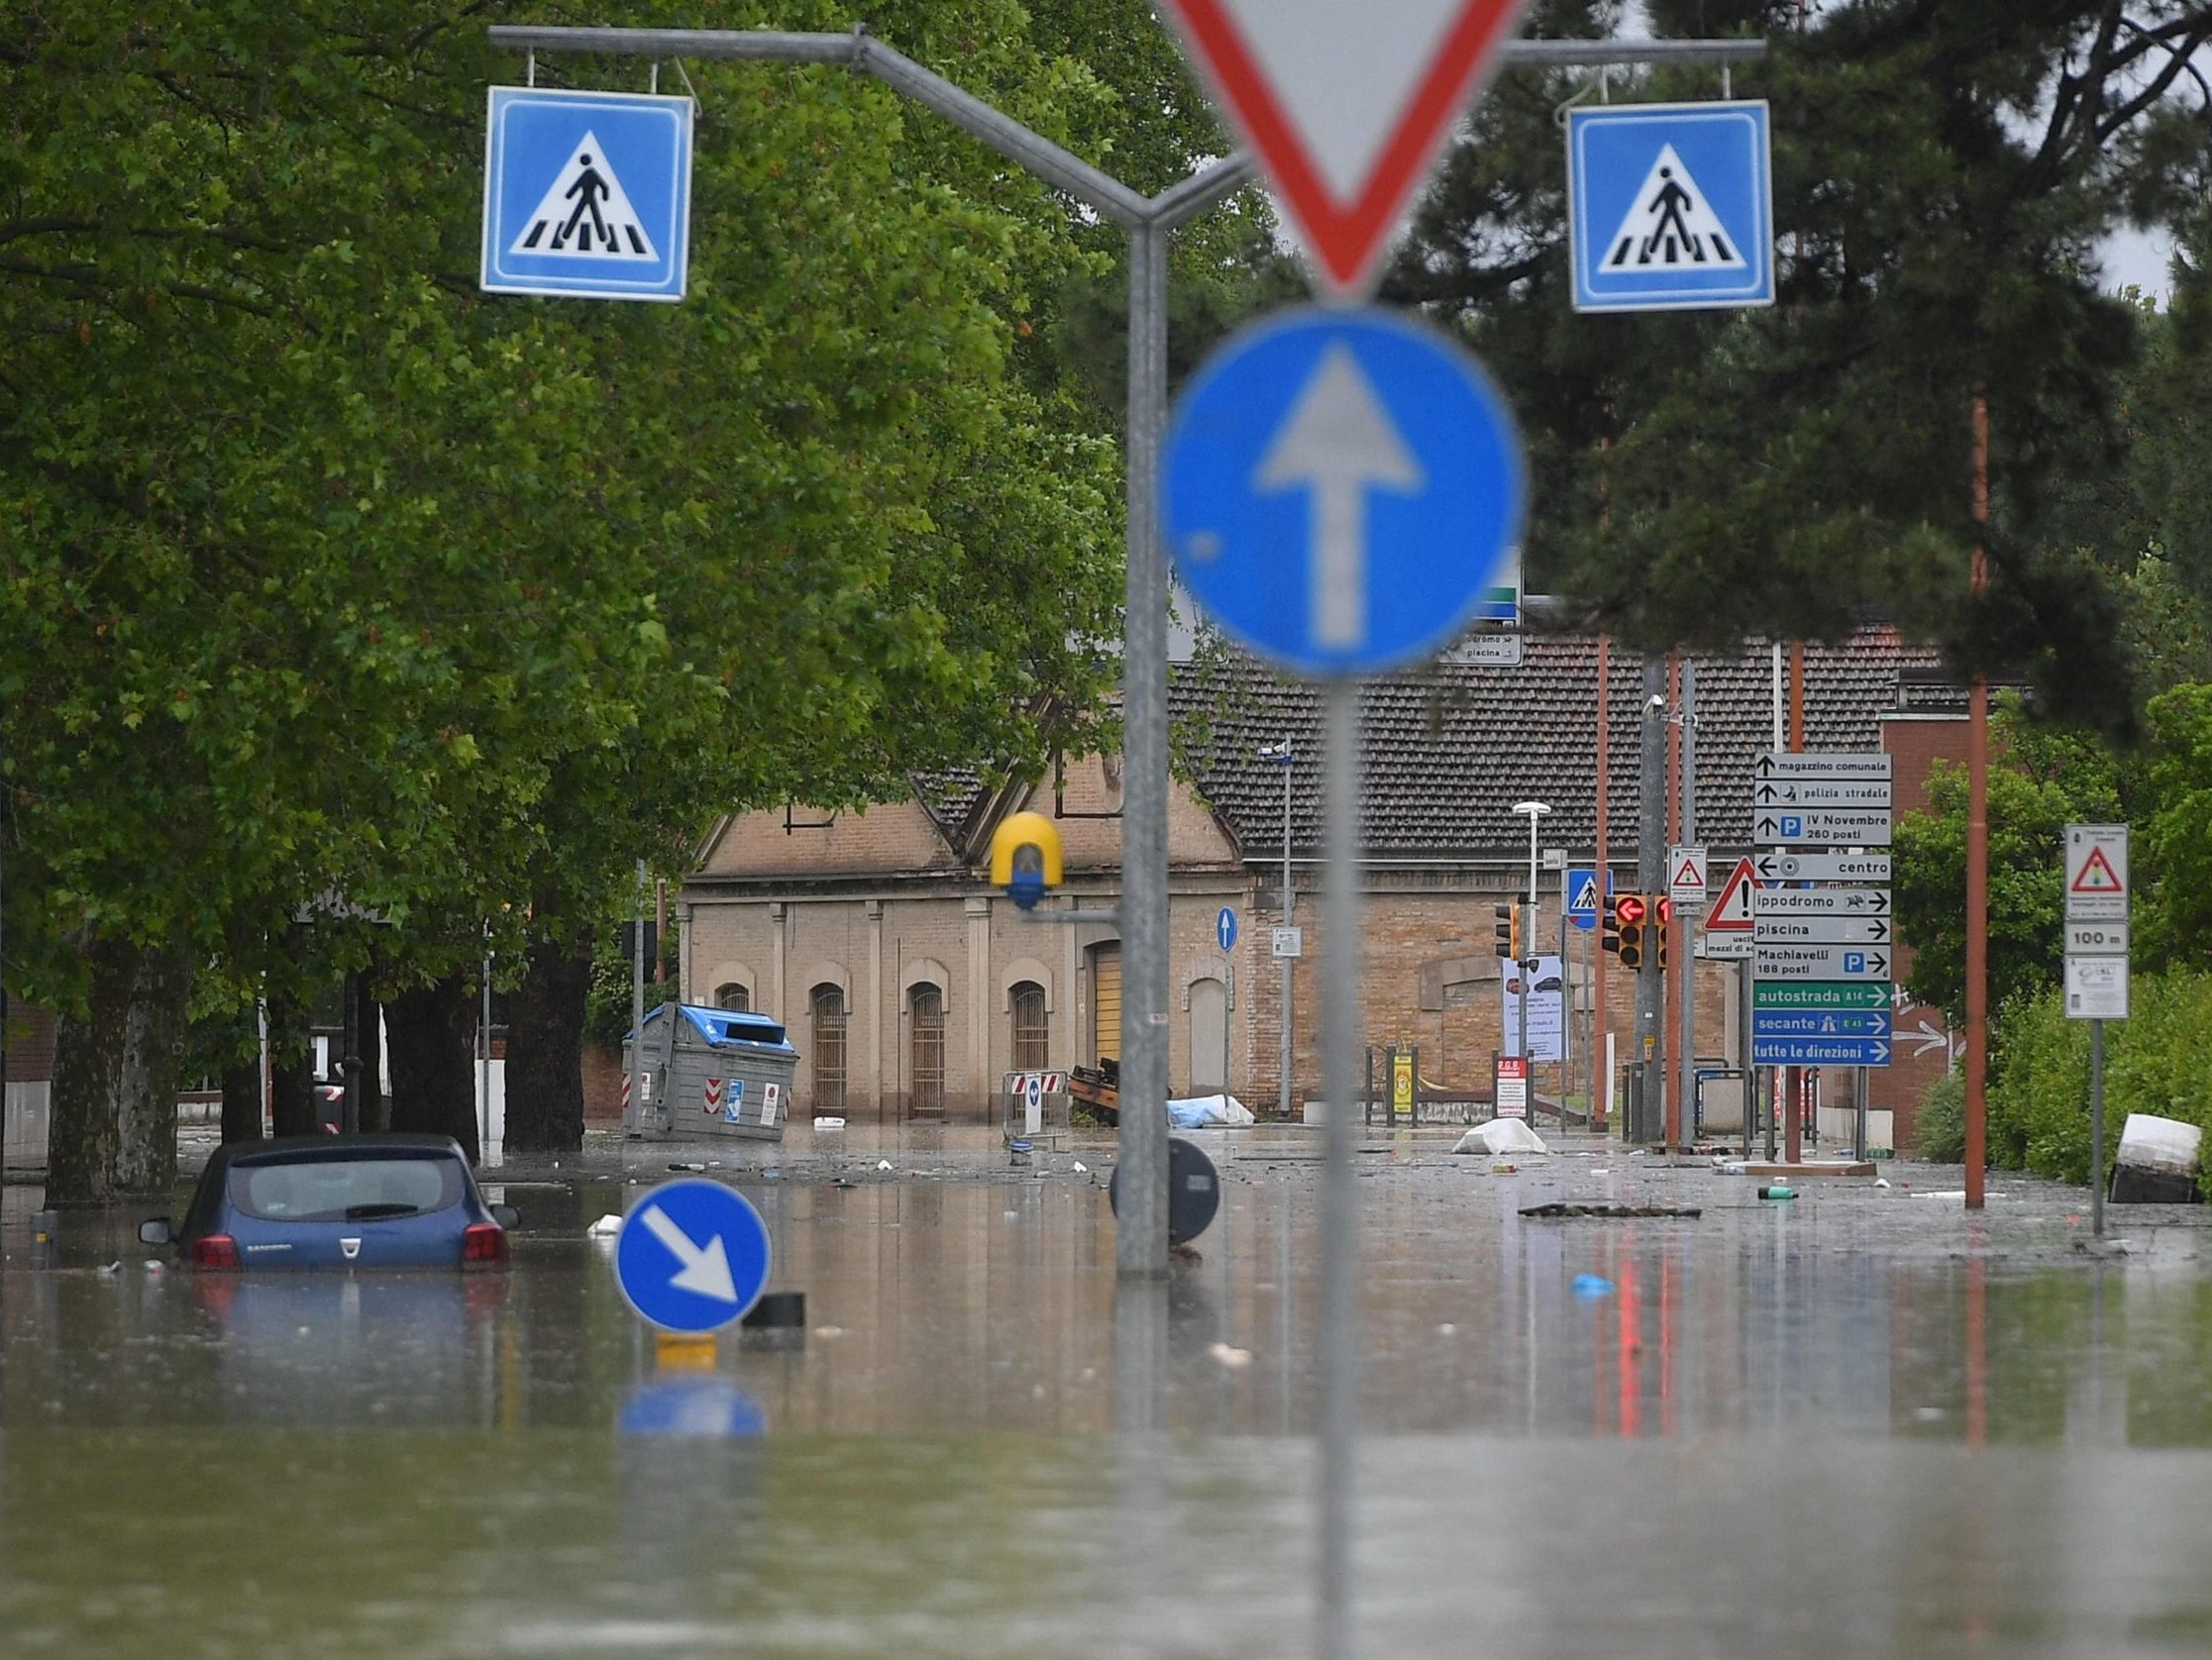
(2038, 782)
(330, 577)
(1944, 175)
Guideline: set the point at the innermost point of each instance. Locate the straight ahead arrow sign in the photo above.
(1339, 442)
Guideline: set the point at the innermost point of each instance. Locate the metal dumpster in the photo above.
(711, 1072)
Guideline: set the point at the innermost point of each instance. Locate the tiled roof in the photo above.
(949, 797)
(1448, 752)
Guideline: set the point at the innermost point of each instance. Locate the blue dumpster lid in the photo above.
(719, 1026)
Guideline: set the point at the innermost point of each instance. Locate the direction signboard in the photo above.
(1487, 648)
(1814, 1022)
(1832, 825)
(1783, 763)
(1670, 207)
(1339, 490)
(692, 1256)
(1821, 793)
(587, 194)
(1824, 930)
(1818, 995)
(1344, 106)
(1820, 901)
(1820, 961)
(1819, 1052)
(1822, 866)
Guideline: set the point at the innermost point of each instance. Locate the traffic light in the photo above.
(1509, 930)
(1664, 909)
(1610, 939)
(1630, 913)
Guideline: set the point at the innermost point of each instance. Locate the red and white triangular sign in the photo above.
(1732, 912)
(1344, 104)
(2097, 875)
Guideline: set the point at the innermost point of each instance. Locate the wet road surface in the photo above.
(1860, 1424)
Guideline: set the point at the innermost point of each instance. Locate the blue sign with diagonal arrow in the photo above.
(692, 1256)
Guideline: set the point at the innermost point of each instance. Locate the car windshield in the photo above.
(345, 1190)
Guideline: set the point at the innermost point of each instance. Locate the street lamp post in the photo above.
(1282, 756)
(1535, 812)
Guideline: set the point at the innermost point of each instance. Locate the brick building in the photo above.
(910, 987)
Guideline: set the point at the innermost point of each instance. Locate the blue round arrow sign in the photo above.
(692, 1256)
(1340, 490)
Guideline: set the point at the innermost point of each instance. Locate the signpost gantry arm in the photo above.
(1141, 1240)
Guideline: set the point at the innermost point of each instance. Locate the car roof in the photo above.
(300, 1149)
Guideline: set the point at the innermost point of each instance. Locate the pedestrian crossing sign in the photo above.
(1670, 206)
(587, 194)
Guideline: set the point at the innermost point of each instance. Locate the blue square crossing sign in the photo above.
(587, 194)
(1670, 207)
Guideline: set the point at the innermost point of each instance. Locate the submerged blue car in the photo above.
(388, 1201)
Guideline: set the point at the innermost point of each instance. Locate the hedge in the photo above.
(2158, 1061)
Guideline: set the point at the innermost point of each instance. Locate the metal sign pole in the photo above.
(1340, 967)
(2096, 1129)
(1140, 1243)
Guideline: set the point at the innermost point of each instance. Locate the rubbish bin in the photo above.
(714, 1072)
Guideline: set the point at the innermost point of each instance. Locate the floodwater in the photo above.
(1860, 1423)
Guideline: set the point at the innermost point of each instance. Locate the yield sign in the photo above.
(1346, 104)
(1732, 912)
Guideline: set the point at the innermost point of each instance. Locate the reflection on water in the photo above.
(1814, 1426)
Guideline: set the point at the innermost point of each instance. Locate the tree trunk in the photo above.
(115, 1077)
(433, 1037)
(242, 1100)
(290, 1048)
(545, 1053)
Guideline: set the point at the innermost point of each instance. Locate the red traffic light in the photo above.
(1666, 910)
(1627, 908)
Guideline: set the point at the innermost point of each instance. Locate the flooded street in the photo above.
(1858, 1424)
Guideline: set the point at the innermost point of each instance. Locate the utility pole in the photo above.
(1651, 880)
(1685, 1116)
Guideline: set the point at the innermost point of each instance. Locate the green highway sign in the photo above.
(1825, 993)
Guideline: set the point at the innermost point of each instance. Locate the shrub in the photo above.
(2159, 1061)
(1941, 1123)
(2039, 1096)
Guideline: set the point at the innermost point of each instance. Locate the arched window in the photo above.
(1032, 1041)
(828, 1006)
(730, 995)
(925, 1009)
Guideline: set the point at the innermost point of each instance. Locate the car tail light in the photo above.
(484, 1242)
(215, 1250)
